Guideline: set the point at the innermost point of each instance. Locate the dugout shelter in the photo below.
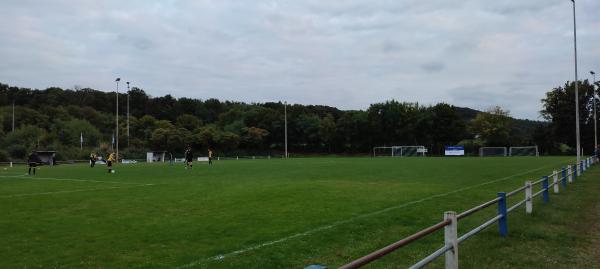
(156, 156)
(47, 157)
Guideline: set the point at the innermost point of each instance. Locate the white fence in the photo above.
(451, 219)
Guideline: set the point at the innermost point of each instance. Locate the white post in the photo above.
(117, 120)
(11, 164)
(556, 181)
(451, 238)
(285, 128)
(576, 86)
(128, 114)
(528, 197)
(570, 172)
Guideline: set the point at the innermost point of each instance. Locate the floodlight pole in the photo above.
(594, 104)
(127, 114)
(285, 128)
(576, 86)
(117, 121)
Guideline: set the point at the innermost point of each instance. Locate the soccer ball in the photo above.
(113, 171)
(5, 169)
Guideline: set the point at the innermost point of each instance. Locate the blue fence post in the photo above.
(564, 177)
(574, 171)
(545, 194)
(502, 222)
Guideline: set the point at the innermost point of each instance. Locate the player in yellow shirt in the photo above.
(109, 161)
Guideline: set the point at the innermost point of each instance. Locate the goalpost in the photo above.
(400, 151)
(492, 152)
(524, 151)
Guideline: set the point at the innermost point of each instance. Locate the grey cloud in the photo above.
(433, 67)
(347, 54)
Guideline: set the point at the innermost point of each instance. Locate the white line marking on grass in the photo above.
(69, 191)
(337, 223)
(73, 179)
(13, 176)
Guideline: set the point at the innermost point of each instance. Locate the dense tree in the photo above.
(188, 122)
(68, 133)
(447, 128)
(169, 123)
(493, 126)
(558, 109)
(327, 130)
(254, 137)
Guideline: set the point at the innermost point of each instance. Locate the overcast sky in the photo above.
(348, 54)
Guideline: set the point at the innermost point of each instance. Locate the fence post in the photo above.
(587, 163)
(451, 238)
(528, 198)
(570, 172)
(11, 164)
(502, 222)
(575, 171)
(545, 194)
(564, 177)
(555, 181)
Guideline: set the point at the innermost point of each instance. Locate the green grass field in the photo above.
(252, 213)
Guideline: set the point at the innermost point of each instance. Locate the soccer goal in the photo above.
(492, 152)
(524, 151)
(400, 151)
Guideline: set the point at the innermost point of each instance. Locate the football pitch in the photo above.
(245, 214)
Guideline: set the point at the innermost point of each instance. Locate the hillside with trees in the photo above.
(54, 119)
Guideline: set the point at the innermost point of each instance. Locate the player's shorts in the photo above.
(189, 160)
(109, 163)
(33, 164)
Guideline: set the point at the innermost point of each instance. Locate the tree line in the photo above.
(54, 119)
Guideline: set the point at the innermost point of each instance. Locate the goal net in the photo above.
(524, 151)
(492, 152)
(400, 151)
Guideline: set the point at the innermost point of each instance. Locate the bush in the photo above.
(17, 151)
(4, 156)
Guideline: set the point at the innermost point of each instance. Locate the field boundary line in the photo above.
(13, 176)
(71, 179)
(69, 191)
(337, 223)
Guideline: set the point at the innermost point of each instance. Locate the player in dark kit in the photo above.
(210, 153)
(93, 159)
(33, 160)
(189, 158)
